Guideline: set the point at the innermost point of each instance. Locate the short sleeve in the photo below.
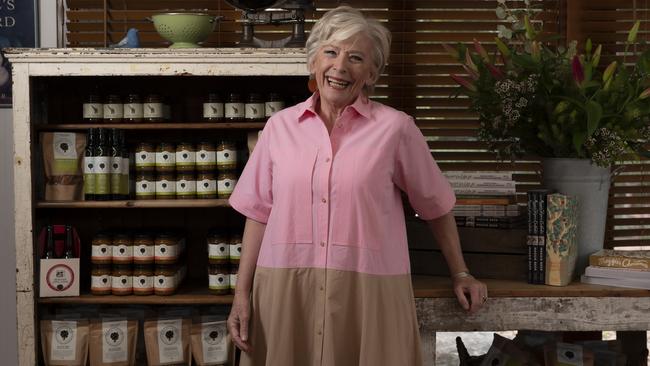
(253, 194)
(417, 174)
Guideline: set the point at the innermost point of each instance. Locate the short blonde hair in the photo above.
(344, 22)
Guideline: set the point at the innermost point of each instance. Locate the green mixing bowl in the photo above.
(184, 30)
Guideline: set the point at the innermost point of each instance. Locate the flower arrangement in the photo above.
(552, 101)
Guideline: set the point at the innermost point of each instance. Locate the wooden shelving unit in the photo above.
(153, 126)
(185, 296)
(203, 203)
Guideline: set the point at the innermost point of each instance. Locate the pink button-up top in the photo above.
(333, 200)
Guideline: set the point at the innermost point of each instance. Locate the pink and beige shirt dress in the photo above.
(332, 285)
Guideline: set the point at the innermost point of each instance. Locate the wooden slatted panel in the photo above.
(607, 22)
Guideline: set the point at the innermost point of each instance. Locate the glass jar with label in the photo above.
(235, 248)
(206, 157)
(93, 109)
(143, 248)
(235, 108)
(113, 109)
(165, 186)
(218, 247)
(213, 108)
(165, 157)
(100, 279)
(101, 251)
(143, 277)
(133, 110)
(274, 103)
(226, 155)
(145, 186)
(226, 180)
(254, 108)
(165, 282)
(219, 279)
(145, 157)
(185, 157)
(152, 108)
(206, 185)
(122, 249)
(234, 269)
(166, 248)
(122, 280)
(186, 186)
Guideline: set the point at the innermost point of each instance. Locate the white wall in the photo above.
(8, 343)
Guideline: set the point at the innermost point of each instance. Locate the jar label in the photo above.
(143, 282)
(144, 188)
(185, 157)
(103, 251)
(163, 282)
(102, 178)
(102, 282)
(170, 342)
(122, 252)
(185, 187)
(235, 110)
(152, 110)
(122, 282)
(219, 281)
(145, 159)
(226, 158)
(93, 110)
(165, 188)
(235, 251)
(204, 157)
(116, 165)
(113, 110)
(254, 110)
(212, 110)
(142, 252)
(226, 186)
(114, 341)
(214, 342)
(164, 251)
(270, 108)
(218, 251)
(64, 147)
(165, 158)
(233, 280)
(206, 186)
(133, 110)
(64, 340)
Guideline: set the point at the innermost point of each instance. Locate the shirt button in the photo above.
(324, 200)
(320, 333)
(322, 243)
(322, 288)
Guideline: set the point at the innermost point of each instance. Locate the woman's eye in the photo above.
(330, 53)
(356, 58)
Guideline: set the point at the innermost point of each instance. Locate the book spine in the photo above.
(484, 200)
(485, 191)
(459, 175)
(493, 219)
(541, 243)
(530, 238)
(615, 261)
(481, 183)
(488, 225)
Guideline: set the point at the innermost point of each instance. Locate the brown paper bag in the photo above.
(113, 342)
(64, 342)
(168, 341)
(62, 158)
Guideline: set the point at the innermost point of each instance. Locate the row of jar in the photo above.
(114, 109)
(222, 278)
(223, 248)
(141, 248)
(185, 156)
(185, 185)
(254, 107)
(140, 279)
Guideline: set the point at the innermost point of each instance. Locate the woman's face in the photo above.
(342, 69)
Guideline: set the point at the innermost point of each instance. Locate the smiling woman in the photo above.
(325, 238)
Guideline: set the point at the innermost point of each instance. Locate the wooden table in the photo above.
(514, 305)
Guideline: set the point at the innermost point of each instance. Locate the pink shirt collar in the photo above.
(361, 106)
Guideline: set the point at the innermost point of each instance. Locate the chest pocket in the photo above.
(290, 221)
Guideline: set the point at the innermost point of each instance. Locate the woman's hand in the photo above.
(238, 321)
(472, 294)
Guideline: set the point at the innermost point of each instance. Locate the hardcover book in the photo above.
(613, 272)
(561, 239)
(632, 259)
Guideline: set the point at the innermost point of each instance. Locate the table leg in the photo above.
(428, 339)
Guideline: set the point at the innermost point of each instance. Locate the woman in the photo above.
(325, 237)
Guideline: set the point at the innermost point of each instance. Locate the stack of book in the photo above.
(485, 199)
(622, 268)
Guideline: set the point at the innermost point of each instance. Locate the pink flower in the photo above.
(498, 74)
(578, 71)
(463, 82)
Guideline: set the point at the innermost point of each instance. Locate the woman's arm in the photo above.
(446, 235)
(240, 312)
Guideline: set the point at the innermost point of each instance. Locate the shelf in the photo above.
(153, 126)
(194, 296)
(198, 203)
